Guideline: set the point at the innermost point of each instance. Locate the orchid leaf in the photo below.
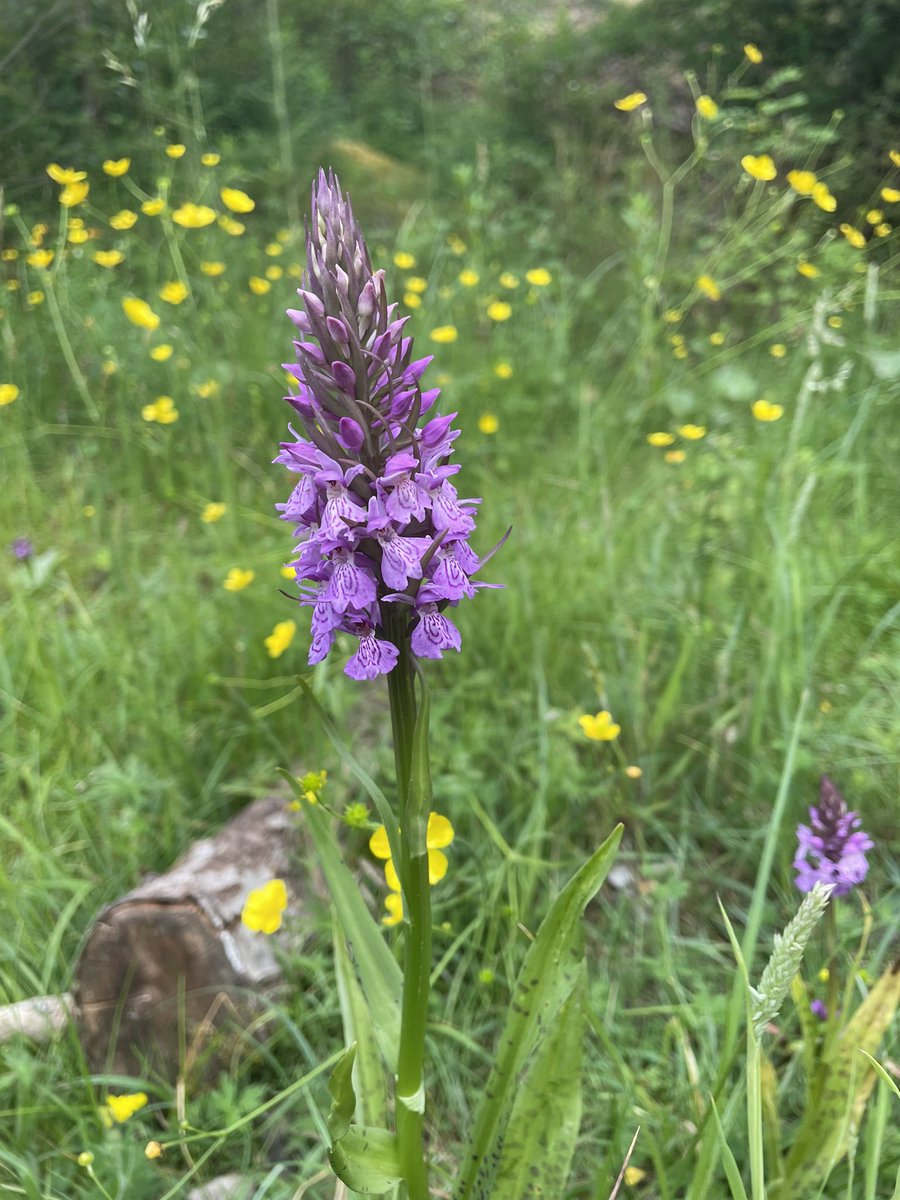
(368, 1073)
(366, 1160)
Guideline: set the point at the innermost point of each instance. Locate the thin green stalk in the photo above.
(62, 336)
(754, 1116)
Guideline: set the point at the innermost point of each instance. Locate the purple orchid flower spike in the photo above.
(383, 538)
(832, 848)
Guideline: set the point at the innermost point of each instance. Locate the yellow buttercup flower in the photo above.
(214, 511)
(412, 300)
(599, 728)
(539, 277)
(152, 208)
(874, 215)
(630, 102)
(65, 175)
(210, 160)
(124, 219)
(8, 393)
(717, 337)
(232, 227)
(108, 258)
(778, 350)
(469, 278)
(77, 235)
(802, 182)
(503, 370)
(162, 411)
(759, 166)
(822, 197)
(264, 907)
(807, 269)
(10, 254)
(444, 334)
(212, 269)
(674, 456)
(116, 166)
(193, 216)
(764, 411)
(74, 193)
(672, 316)
(153, 1149)
(456, 244)
(140, 313)
(120, 1108)
(499, 310)
(162, 352)
(692, 433)
(894, 156)
(660, 438)
(753, 53)
(707, 108)
(508, 280)
(236, 201)
(237, 579)
(835, 322)
(681, 351)
(883, 229)
(709, 287)
(274, 272)
(416, 283)
(258, 285)
(273, 249)
(438, 836)
(393, 902)
(488, 423)
(40, 259)
(890, 195)
(287, 572)
(634, 1175)
(853, 236)
(85, 1158)
(280, 638)
(209, 387)
(404, 261)
(174, 292)
(36, 297)
(633, 771)
(176, 150)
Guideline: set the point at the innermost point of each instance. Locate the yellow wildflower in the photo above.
(108, 258)
(835, 322)
(10, 254)
(674, 456)
(280, 638)
(630, 102)
(258, 285)
(759, 166)
(77, 235)
(393, 902)
(237, 579)
(153, 1149)
(12, 285)
(680, 351)
(232, 227)
(40, 259)
(74, 193)
(468, 277)
(109, 366)
(273, 249)
(808, 269)
(283, 235)
(717, 337)
(456, 244)
(237, 201)
(539, 277)
(853, 235)
(274, 272)
(438, 836)
(176, 150)
(162, 411)
(883, 229)
(404, 261)
(212, 269)
(894, 156)
(152, 208)
(65, 175)
(890, 195)
(764, 411)
(36, 297)
(8, 393)
(212, 512)
(709, 287)
(37, 232)
(508, 280)
(599, 728)
(85, 1158)
(415, 283)
(874, 216)
(444, 334)
(660, 438)
(753, 53)
(120, 1108)
(193, 216)
(822, 197)
(634, 1175)
(116, 166)
(162, 352)
(503, 370)
(692, 433)
(174, 292)
(412, 300)
(778, 350)
(264, 906)
(124, 219)
(672, 316)
(633, 772)
(707, 108)
(488, 423)
(140, 313)
(208, 388)
(210, 160)
(287, 572)
(499, 310)
(802, 182)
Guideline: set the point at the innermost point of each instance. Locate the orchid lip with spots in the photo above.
(382, 533)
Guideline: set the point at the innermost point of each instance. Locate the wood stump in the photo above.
(168, 968)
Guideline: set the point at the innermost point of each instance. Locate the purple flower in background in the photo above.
(22, 549)
(828, 850)
(818, 1009)
(374, 513)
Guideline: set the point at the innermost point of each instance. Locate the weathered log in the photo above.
(168, 968)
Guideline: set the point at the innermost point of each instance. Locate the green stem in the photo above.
(413, 872)
(754, 1115)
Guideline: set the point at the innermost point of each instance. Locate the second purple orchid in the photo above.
(383, 537)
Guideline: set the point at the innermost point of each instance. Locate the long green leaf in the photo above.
(732, 1172)
(366, 1160)
(546, 980)
(543, 1128)
(368, 1074)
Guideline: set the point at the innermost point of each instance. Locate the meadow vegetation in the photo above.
(674, 358)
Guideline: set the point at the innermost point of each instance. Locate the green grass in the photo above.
(705, 603)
